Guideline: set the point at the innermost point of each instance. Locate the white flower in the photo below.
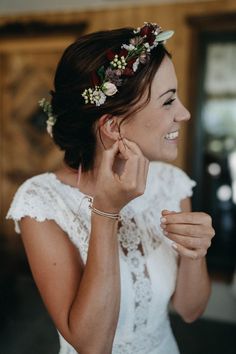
(50, 123)
(128, 47)
(98, 97)
(137, 30)
(49, 130)
(136, 64)
(94, 96)
(109, 89)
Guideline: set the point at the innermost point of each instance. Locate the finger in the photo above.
(143, 172)
(136, 168)
(166, 212)
(109, 155)
(188, 218)
(143, 162)
(130, 154)
(130, 173)
(124, 149)
(133, 146)
(188, 229)
(190, 242)
(185, 252)
(145, 169)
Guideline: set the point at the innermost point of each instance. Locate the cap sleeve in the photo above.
(31, 199)
(183, 185)
(170, 181)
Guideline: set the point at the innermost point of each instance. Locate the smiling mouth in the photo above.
(172, 136)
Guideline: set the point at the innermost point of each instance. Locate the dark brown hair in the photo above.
(74, 130)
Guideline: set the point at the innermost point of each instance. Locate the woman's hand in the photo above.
(191, 232)
(114, 191)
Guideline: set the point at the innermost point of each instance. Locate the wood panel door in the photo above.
(27, 67)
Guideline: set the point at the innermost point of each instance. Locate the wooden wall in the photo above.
(25, 151)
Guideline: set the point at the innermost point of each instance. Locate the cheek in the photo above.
(158, 128)
(147, 125)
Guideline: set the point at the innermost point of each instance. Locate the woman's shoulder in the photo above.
(40, 186)
(35, 182)
(39, 197)
(44, 182)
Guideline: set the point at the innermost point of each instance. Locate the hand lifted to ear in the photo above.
(114, 191)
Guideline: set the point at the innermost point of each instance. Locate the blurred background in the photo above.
(33, 36)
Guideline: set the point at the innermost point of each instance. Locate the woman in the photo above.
(110, 246)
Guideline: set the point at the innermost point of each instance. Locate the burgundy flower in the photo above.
(145, 30)
(95, 79)
(123, 52)
(110, 55)
(151, 38)
(128, 72)
(130, 62)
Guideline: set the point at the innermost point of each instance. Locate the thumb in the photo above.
(166, 212)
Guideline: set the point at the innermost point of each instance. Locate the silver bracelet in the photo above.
(103, 213)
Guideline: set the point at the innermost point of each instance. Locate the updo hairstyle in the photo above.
(74, 130)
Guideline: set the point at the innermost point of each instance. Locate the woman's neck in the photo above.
(87, 180)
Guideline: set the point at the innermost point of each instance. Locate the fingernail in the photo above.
(165, 233)
(163, 219)
(174, 245)
(163, 226)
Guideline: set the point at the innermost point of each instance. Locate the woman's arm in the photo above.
(191, 233)
(84, 300)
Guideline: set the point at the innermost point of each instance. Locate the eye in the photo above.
(169, 102)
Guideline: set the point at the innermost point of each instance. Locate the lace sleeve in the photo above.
(30, 200)
(174, 182)
(183, 184)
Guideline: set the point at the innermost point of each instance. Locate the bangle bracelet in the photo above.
(103, 213)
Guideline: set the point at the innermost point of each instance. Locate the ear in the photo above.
(108, 126)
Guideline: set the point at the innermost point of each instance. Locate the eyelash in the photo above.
(168, 103)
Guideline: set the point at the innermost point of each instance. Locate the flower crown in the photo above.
(125, 63)
(122, 65)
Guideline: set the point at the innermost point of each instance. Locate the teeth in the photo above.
(171, 136)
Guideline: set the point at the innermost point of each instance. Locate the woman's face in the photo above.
(155, 128)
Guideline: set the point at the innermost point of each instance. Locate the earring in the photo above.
(78, 175)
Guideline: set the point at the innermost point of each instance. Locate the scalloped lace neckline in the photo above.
(67, 186)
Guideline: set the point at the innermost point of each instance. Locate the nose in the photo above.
(182, 114)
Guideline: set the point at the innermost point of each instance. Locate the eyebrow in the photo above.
(170, 90)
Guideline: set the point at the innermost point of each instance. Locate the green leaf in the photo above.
(101, 73)
(163, 36)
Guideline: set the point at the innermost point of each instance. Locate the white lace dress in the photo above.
(148, 264)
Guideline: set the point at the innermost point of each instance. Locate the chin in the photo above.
(165, 154)
(163, 158)
(171, 157)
